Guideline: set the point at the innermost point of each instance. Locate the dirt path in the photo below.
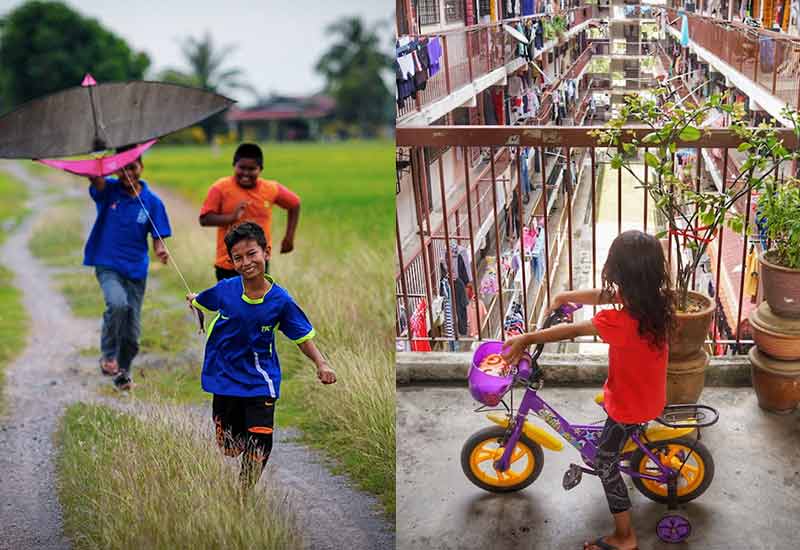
(50, 374)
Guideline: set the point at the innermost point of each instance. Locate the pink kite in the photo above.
(100, 166)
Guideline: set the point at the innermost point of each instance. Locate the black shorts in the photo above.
(243, 421)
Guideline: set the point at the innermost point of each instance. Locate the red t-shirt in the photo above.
(636, 388)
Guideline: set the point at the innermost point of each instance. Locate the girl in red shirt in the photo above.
(636, 279)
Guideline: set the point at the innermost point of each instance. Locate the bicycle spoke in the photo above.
(516, 455)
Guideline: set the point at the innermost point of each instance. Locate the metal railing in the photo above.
(483, 208)
(768, 58)
(469, 53)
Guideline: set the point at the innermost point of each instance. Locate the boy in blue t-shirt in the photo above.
(127, 211)
(241, 367)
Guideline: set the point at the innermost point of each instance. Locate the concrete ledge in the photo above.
(563, 369)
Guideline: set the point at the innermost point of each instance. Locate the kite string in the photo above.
(147, 212)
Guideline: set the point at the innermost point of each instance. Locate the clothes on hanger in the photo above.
(419, 327)
(416, 60)
(447, 304)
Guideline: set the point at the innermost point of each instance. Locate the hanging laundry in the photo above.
(434, 55)
(514, 323)
(515, 87)
(419, 327)
(489, 285)
(475, 317)
(447, 305)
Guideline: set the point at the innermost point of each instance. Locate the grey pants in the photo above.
(609, 448)
(119, 338)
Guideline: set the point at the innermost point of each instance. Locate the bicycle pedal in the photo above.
(572, 477)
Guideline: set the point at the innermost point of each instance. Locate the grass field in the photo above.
(340, 273)
(346, 186)
(13, 318)
(172, 492)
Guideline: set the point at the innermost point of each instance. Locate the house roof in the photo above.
(285, 108)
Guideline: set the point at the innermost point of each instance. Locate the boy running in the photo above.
(117, 249)
(241, 367)
(246, 197)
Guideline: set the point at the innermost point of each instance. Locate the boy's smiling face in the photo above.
(249, 259)
(129, 174)
(246, 172)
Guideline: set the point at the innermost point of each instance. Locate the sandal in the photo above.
(603, 545)
(109, 367)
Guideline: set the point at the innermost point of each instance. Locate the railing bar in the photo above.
(568, 185)
(744, 265)
(619, 197)
(521, 232)
(498, 262)
(448, 256)
(472, 247)
(645, 190)
(546, 229)
(418, 158)
(402, 275)
(719, 243)
(696, 221)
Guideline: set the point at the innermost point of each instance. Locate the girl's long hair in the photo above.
(637, 269)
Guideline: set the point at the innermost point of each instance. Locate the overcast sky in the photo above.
(278, 41)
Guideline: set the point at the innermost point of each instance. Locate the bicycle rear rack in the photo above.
(690, 415)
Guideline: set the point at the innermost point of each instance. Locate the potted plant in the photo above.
(692, 216)
(776, 323)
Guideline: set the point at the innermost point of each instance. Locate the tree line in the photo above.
(45, 46)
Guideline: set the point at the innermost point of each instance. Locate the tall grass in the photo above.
(59, 235)
(126, 482)
(340, 273)
(13, 317)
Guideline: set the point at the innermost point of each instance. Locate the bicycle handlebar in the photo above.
(559, 315)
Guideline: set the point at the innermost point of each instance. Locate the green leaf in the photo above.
(629, 148)
(744, 147)
(690, 133)
(661, 234)
(651, 160)
(673, 147)
(616, 162)
(652, 137)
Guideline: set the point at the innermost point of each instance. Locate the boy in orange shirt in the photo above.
(246, 197)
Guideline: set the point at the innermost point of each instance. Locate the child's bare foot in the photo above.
(612, 542)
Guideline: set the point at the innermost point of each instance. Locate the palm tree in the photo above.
(353, 68)
(206, 70)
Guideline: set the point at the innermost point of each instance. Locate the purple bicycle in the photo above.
(665, 459)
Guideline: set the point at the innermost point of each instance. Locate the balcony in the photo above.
(472, 53)
(769, 59)
(579, 222)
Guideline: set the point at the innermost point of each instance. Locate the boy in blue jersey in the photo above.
(241, 367)
(127, 211)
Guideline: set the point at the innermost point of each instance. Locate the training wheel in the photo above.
(674, 527)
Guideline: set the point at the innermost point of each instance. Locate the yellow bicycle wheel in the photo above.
(690, 458)
(481, 451)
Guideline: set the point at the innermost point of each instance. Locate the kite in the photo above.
(96, 117)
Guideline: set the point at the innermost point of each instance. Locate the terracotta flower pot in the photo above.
(781, 288)
(691, 330)
(776, 336)
(777, 383)
(686, 378)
